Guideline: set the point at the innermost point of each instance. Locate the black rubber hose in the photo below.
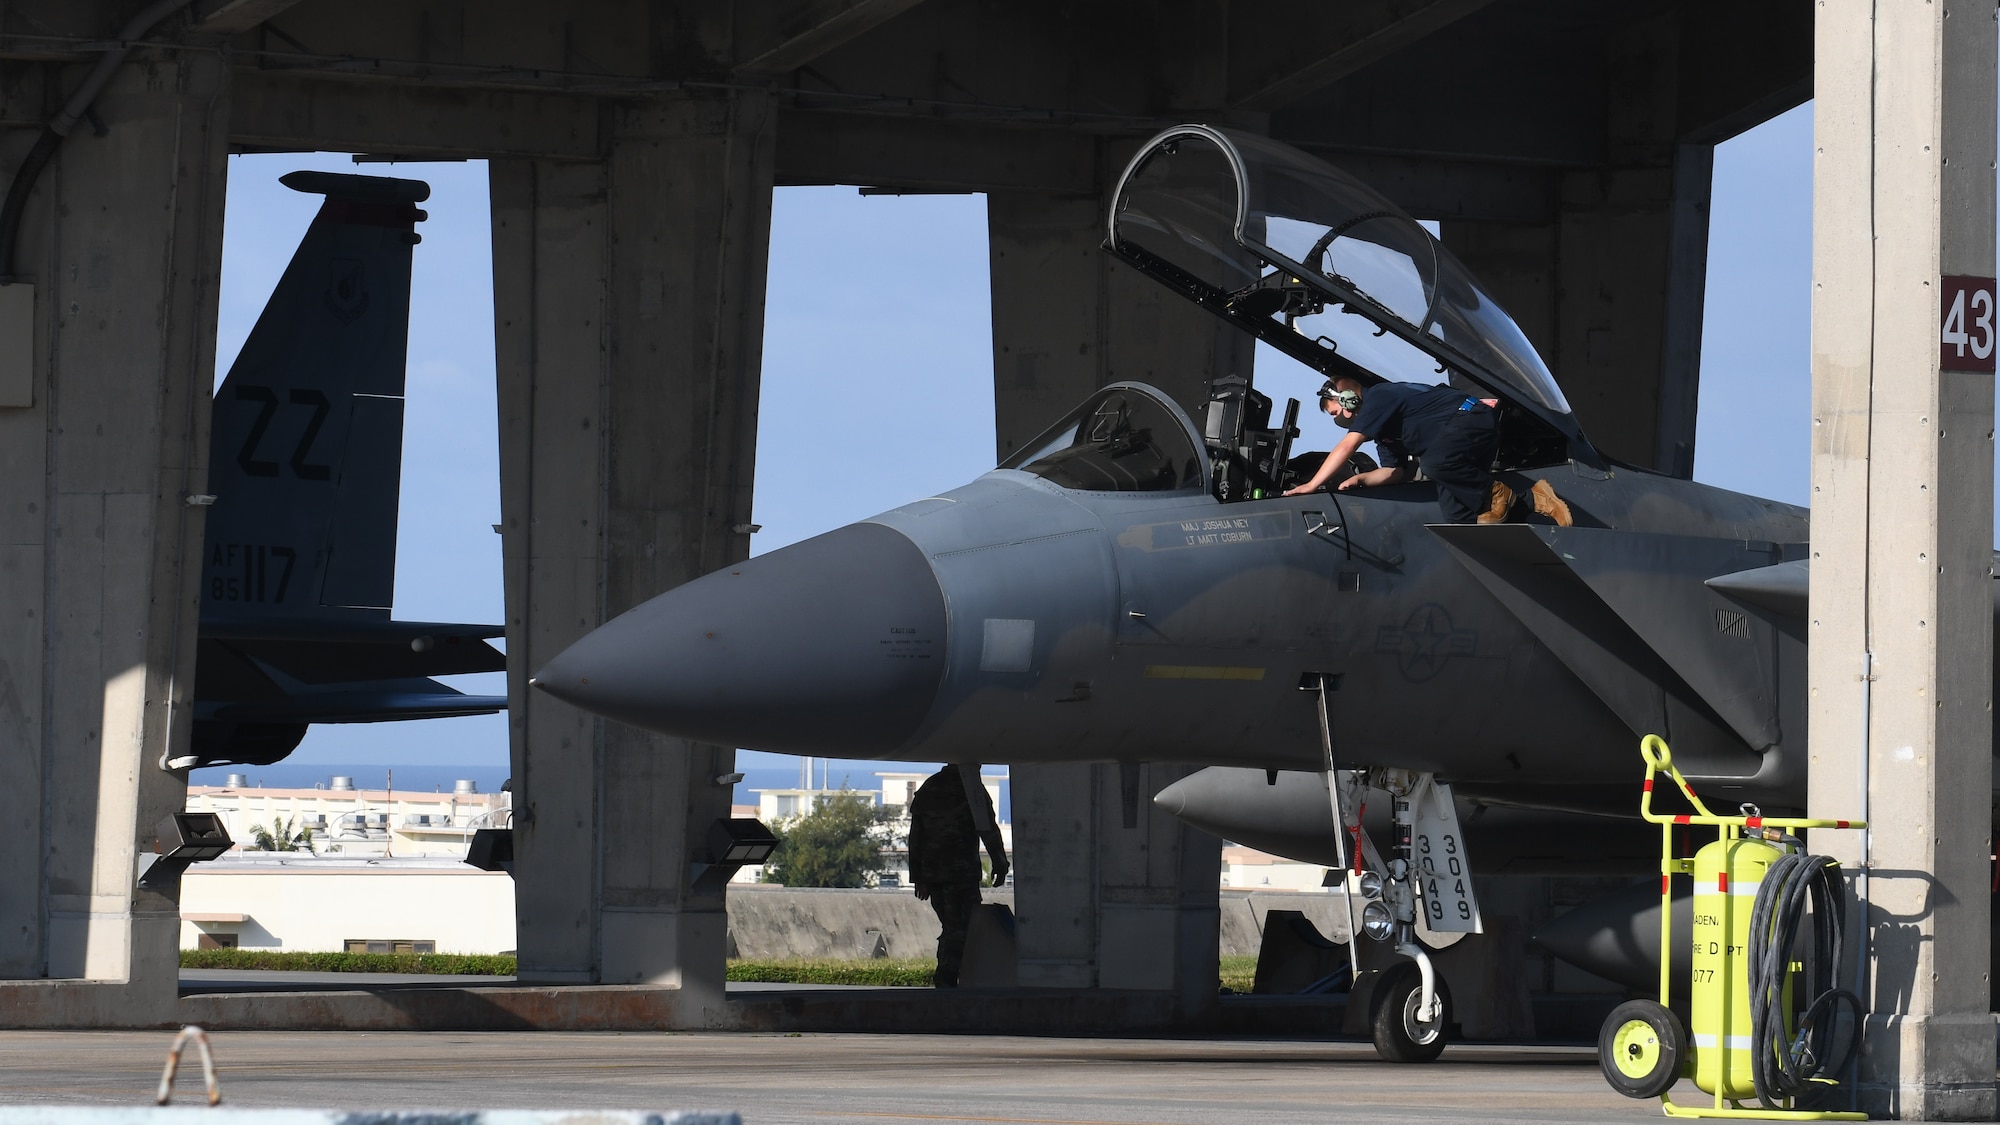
(1783, 1065)
(60, 125)
(17, 199)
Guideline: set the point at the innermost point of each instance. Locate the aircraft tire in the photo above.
(1393, 1021)
(1641, 1048)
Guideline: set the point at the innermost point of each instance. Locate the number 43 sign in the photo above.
(1965, 308)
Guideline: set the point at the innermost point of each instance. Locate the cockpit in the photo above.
(1121, 439)
(1326, 270)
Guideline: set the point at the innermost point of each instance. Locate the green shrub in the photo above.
(444, 964)
(834, 845)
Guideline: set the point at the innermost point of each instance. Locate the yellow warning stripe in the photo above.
(1201, 672)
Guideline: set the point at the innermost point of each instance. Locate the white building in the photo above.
(354, 822)
(1249, 869)
(295, 901)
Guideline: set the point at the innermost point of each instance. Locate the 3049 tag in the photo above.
(1966, 324)
(1444, 873)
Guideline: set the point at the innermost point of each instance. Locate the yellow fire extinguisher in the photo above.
(1727, 876)
(1751, 888)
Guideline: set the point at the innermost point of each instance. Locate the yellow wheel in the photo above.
(1640, 1049)
(1635, 1050)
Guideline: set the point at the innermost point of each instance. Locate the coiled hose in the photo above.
(1785, 1068)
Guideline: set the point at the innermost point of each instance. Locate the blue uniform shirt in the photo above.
(1404, 419)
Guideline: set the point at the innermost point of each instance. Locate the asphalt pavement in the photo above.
(861, 1079)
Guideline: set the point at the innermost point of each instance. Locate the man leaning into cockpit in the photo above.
(1450, 434)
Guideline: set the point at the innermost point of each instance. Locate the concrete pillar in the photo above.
(1609, 287)
(1903, 197)
(1071, 319)
(1103, 901)
(1628, 299)
(629, 301)
(1609, 290)
(99, 552)
(1518, 263)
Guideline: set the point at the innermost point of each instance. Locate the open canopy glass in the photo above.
(1323, 268)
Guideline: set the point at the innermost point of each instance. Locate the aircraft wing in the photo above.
(1782, 588)
(1632, 617)
(378, 701)
(324, 652)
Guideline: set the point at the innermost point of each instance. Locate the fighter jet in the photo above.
(305, 467)
(1133, 585)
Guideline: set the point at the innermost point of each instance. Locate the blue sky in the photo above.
(877, 323)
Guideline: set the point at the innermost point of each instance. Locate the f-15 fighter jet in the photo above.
(1131, 586)
(1134, 586)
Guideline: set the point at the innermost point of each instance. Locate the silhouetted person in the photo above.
(949, 816)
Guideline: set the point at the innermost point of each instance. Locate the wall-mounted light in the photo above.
(491, 849)
(742, 841)
(733, 844)
(182, 839)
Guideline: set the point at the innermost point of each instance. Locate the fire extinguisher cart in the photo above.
(1752, 1041)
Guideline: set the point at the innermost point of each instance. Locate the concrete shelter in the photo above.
(1564, 145)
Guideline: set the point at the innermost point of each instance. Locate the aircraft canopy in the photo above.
(1321, 267)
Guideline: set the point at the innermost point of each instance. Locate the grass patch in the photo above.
(452, 964)
(882, 972)
(1239, 971)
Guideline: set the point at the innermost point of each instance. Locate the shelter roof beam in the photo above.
(228, 17)
(1320, 47)
(277, 111)
(929, 155)
(801, 32)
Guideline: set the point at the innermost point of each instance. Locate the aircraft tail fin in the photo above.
(305, 451)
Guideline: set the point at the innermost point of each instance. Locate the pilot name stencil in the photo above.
(1425, 642)
(1207, 531)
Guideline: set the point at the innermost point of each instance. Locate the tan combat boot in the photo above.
(1502, 499)
(1547, 503)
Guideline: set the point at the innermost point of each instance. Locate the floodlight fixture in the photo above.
(733, 843)
(180, 840)
(740, 841)
(491, 849)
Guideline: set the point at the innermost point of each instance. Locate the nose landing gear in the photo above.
(1409, 1007)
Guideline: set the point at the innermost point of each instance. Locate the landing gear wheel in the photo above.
(1640, 1049)
(1399, 1035)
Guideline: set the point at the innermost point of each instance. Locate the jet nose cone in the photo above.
(832, 646)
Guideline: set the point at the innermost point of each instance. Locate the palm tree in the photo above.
(282, 836)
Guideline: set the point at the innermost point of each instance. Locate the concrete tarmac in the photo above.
(858, 1079)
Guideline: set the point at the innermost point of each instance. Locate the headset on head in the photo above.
(1349, 400)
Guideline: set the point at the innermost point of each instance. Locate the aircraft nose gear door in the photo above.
(1410, 1008)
